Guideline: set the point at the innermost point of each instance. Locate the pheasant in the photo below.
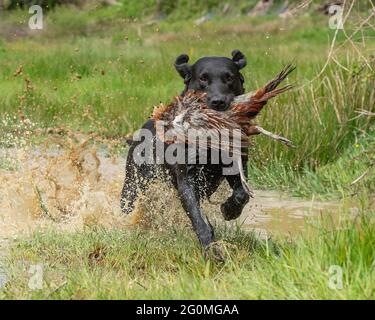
(190, 112)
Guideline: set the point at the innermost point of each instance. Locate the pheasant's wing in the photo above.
(205, 128)
(220, 131)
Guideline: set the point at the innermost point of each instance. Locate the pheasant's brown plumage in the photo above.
(190, 112)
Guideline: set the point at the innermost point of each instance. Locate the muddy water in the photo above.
(71, 186)
(68, 188)
(272, 212)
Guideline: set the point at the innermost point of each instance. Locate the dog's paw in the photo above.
(230, 211)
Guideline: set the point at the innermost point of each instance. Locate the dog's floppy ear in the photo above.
(239, 59)
(183, 68)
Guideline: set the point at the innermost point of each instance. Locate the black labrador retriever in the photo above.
(221, 79)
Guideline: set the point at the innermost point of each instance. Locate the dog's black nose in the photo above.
(218, 104)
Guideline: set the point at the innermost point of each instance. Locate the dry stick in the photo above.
(315, 106)
(350, 9)
(333, 49)
(362, 112)
(357, 30)
(58, 288)
(328, 58)
(275, 137)
(288, 14)
(357, 50)
(339, 64)
(363, 174)
(271, 135)
(349, 38)
(365, 113)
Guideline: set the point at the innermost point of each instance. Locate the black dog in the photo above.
(220, 77)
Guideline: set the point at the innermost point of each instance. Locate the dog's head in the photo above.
(220, 77)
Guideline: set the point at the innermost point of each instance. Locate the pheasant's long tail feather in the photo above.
(270, 86)
(248, 110)
(269, 95)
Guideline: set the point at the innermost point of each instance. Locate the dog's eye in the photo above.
(228, 78)
(203, 78)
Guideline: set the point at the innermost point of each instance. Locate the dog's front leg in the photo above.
(232, 208)
(190, 200)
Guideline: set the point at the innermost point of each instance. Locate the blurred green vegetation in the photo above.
(176, 9)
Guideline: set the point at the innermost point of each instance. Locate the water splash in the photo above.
(66, 183)
(70, 182)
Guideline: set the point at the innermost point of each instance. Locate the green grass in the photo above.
(141, 264)
(331, 180)
(98, 71)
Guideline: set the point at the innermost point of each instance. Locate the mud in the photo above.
(73, 183)
(275, 213)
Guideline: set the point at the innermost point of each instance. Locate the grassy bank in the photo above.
(119, 264)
